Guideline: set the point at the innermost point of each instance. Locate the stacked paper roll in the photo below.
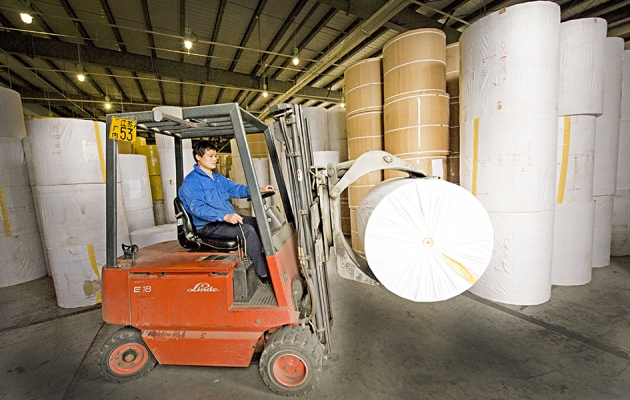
(337, 132)
(452, 88)
(154, 234)
(166, 151)
(509, 122)
(69, 167)
(21, 248)
(317, 121)
(607, 150)
(364, 86)
(581, 87)
(621, 205)
(425, 239)
(136, 191)
(11, 114)
(416, 105)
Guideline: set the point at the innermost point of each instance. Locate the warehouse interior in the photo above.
(502, 273)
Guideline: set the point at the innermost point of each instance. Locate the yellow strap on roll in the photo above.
(92, 258)
(562, 183)
(5, 214)
(99, 145)
(475, 156)
(463, 271)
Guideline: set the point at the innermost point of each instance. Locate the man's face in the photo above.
(209, 160)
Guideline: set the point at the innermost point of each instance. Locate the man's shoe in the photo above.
(265, 279)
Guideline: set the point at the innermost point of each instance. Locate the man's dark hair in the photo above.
(201, 147)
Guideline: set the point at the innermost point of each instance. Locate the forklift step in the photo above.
(263, 296)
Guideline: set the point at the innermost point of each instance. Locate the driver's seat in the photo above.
(188, 238)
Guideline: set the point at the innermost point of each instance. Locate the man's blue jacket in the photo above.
(208, 199)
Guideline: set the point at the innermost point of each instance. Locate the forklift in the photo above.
(198, 301)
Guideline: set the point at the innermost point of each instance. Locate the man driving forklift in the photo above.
(206, 196)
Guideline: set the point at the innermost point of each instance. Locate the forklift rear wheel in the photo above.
(125, 356)
(291, 362)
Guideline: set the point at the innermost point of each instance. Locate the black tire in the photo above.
(125, 356)
(291, 362)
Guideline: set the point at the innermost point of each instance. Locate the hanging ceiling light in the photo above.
(264, 87)
(80, 75)
(296, 56)
(108, 105)
(25, 15)
(26, 18)
(188, 42)
(343, 102)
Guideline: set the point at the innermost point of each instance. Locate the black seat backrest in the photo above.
(188, 238)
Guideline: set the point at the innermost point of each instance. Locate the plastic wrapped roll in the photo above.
(67, 151)
(510, 61)
(508, 160)
(168, 175)
(581, 86)
(153, 158)
(341, 147)
(13, 168)
(620, 236)
(21, 248)
(431, 165)
(325, 157)
(11, 114)
(424, 239)
(364, 86)
(155, 234)
(602, 234)
(135, 182)
(573, 244)
(575, 159)
(317, 122)
(337, 124)
(608, 124)
(625, 88)
(140, 219)
(623, 158)
(452, 69)
(520, 270)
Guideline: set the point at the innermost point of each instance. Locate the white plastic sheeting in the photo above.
(337, 132)
(508, 160)
(573, 244)
(520, 269)
(582, 66)
(575, 158)
(621, 224)
(510, 61)
(317, 122)
(325, 157)
(67, 151)
(625, 87)
(425, 239)
(602, 233)
(155, 234)
(136, 191)
(11, 114)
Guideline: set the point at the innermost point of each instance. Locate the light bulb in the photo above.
(265, 94)
(188, 44)
(296, 58)
(81, 77)
(108, 105)
(296, 61)
(26, 18)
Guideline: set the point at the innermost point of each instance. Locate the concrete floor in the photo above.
(575, 346)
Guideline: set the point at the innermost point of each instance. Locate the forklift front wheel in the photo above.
(291, 362)
(125, 356)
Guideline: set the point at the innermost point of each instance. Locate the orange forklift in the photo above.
(198, 301)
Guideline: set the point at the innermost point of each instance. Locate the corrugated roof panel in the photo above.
(233, 26)
(93, 19)
(151, 87)
(130, 21)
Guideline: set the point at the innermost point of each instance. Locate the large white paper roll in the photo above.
(74, 215)
(140, 219)
(67, 151)
(575, 158)
(621, 224)
(337, 124)
(317, 122)
(510, 60)
(76, 273)
(13, 168)
(168, 175)
(625, 88)
(508, 160)
(341, 147)
(155, 234)
(573, 244)
(623, 157)
(581, 89)
(11, 114)
(602, 233)
(22, 258)
(520, 270)
(325, 157)
(424, 239)
(135, 181)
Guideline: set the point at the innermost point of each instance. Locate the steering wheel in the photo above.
(267, 194)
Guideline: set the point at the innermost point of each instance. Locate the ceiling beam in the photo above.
(215, 35)
(17, 43)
